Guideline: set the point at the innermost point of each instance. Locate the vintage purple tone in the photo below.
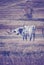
(16, 14)
(21, 9)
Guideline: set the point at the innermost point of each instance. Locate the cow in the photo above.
(32, 32)
(26, 32)
(29, 32)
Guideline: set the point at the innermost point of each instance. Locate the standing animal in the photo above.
(26, 32)
(29, 32)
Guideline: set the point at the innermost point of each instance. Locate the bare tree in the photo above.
(29, 9)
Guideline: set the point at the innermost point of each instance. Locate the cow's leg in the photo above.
(33, 36)
(26, 36)
(30, 37)
(23, 35)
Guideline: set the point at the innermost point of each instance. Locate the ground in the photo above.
(15, 51)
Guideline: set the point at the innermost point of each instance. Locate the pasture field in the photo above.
(13, 49)
(16, 51)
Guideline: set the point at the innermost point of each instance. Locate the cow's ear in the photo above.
(17, 33)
